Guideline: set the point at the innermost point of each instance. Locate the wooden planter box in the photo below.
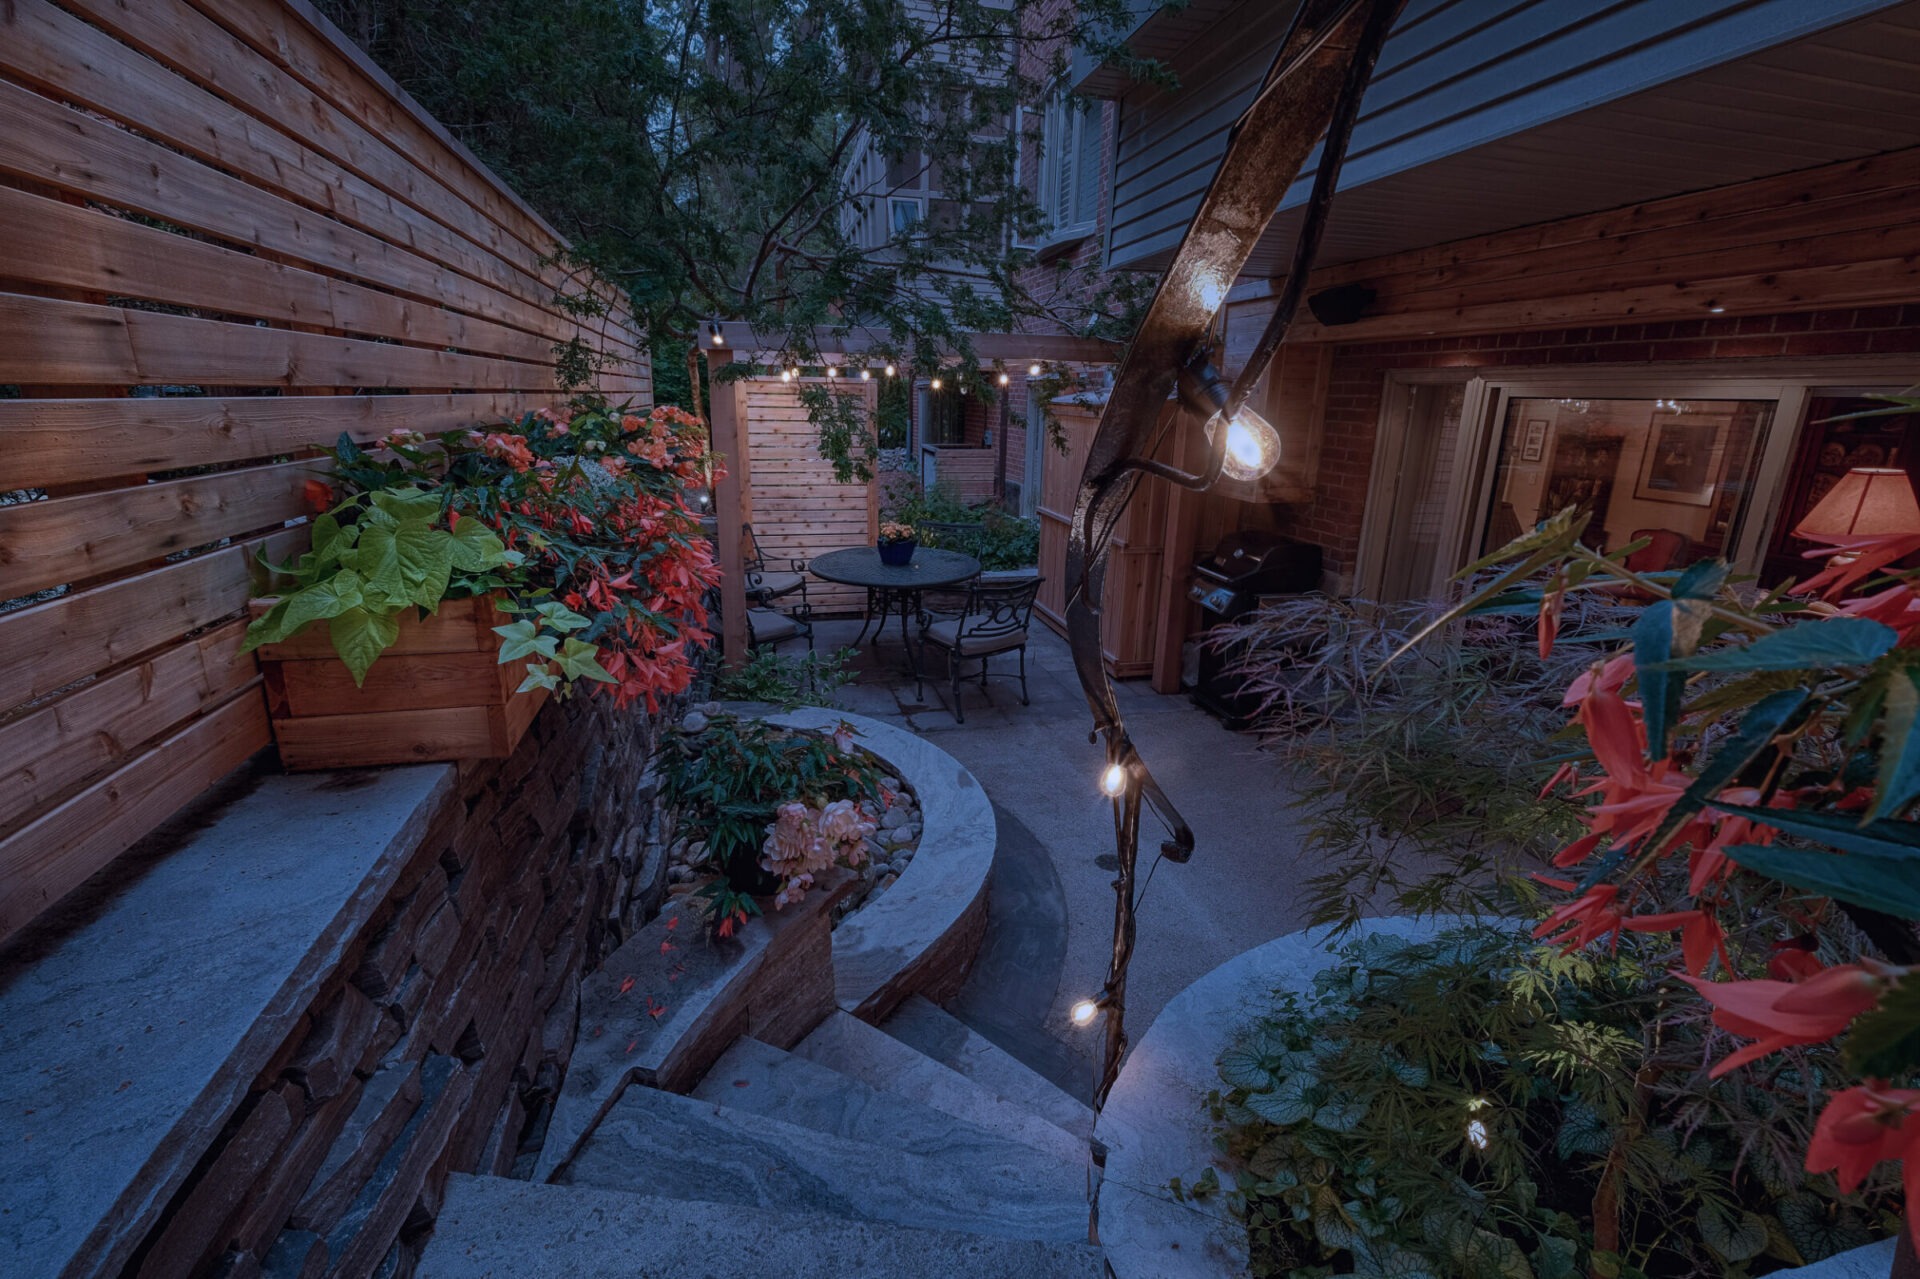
(440, 693)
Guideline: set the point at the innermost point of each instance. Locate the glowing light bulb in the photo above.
(1033, 370)
(717, 339)
(833, 371)
(1253, 446)
(935, 384)
(786, 375)
(866, 375)
(889, 370)
(1113, 782)
(1002, 379)
(1084, 1012)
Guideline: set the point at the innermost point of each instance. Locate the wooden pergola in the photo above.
(741, 342)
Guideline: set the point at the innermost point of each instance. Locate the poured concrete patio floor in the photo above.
(1052, 926)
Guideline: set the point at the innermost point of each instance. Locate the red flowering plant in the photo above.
(1749, 765)
(573, 521)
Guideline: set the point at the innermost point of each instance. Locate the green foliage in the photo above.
(999, 540)
(726, 783)
(697, 155)
(787, 682)
(1478, 1106)
(373, 555)
(1419, 782)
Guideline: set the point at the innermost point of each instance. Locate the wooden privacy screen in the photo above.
(797, 508)
(224, 236)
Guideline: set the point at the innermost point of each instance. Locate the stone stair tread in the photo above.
(661, 1143)
(865, 1053)
(922, 1024)
(782, 1085)
(495, 1228)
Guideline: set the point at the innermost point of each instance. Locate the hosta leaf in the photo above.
(1582, 1132)
(1341, 1115)
(360, 637)
(1241, 1067)
(1736, 1238)
(1818, 1228)
(1832, 641)
(1286, 1104)
(1884, 1043)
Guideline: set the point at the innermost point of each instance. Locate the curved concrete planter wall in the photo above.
(920, 936)
(1155, 1125)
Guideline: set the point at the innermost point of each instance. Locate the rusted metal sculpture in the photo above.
(1312, 90)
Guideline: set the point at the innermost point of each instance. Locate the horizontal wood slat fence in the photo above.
(797, 508)
(225, 237)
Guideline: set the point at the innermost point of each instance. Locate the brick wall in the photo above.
(1358, 382)
(450, 1017)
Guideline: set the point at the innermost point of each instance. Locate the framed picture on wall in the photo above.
(1533, 441)
(1682, 460)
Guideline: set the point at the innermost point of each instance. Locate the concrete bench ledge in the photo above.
(133, 1020)
(919, 936)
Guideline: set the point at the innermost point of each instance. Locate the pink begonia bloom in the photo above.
(842, 736)
(845, 830)
(793, 850)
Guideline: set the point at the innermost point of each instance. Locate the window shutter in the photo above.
(1087, 157)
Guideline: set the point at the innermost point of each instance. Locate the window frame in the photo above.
(1789, 385)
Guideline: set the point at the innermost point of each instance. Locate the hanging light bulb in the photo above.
(833, 370)
(786, 375)
(795, 370)
(1002, 379)
(713, 329)
(1084, 1012)
(1033, 370)
(935, 384)
(1252, 446)
(1113, 782)
(866, 375)
(889, 370)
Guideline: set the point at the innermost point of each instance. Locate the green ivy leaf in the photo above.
(360, 637)
(538, 676)
(1815, 645)
(561, 618)
(1884, 1043)
(578, 659)
(523, 639)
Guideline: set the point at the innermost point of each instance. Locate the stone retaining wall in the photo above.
(447, 1025)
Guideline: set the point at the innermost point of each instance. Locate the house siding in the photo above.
(1455, 75)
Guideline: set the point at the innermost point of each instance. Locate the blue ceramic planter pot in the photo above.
(897, 554)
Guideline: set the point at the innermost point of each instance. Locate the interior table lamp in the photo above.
(1869, 501)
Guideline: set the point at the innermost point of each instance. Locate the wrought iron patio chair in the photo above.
(995, 620)
(767, 624)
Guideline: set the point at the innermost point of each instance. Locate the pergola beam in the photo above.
(742, 341)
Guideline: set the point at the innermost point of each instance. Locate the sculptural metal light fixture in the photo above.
(1312, 91)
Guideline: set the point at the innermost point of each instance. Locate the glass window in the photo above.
(1674, 471)
(906, 215)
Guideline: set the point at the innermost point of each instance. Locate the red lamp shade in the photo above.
(1868, 500)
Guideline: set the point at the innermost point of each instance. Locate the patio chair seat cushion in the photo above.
(774, 585)
(768, 626)
(947, 634)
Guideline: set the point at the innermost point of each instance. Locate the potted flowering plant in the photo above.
(462, 579)
(896, 543)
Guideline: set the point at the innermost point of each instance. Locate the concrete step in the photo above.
(851, 1047)
(660, 1143)
(761, 1078)
(494, 1228)
(922, 1024)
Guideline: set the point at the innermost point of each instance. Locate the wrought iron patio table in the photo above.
(893, 588)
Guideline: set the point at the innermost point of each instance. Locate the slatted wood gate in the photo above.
(224, 236)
